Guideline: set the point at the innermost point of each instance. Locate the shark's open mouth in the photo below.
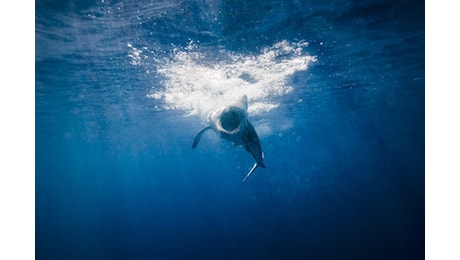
(230, 120)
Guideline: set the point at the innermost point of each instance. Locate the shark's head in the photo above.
(230, 121)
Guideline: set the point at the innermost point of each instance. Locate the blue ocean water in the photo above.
(336, 93)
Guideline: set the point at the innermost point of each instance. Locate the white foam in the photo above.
(135, 55)
(196, 84)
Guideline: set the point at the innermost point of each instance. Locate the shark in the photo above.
(231, 123)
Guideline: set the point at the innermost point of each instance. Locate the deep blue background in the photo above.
(117, 179)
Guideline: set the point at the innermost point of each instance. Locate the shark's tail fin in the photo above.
(250, 172)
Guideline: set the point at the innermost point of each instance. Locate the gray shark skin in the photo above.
(231, 123)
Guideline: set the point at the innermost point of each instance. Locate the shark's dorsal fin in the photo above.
(244, 102)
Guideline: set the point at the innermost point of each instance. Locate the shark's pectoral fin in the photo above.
(198, 136)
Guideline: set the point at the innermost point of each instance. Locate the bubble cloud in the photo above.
(196, 85)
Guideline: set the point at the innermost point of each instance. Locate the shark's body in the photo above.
(231, 123)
